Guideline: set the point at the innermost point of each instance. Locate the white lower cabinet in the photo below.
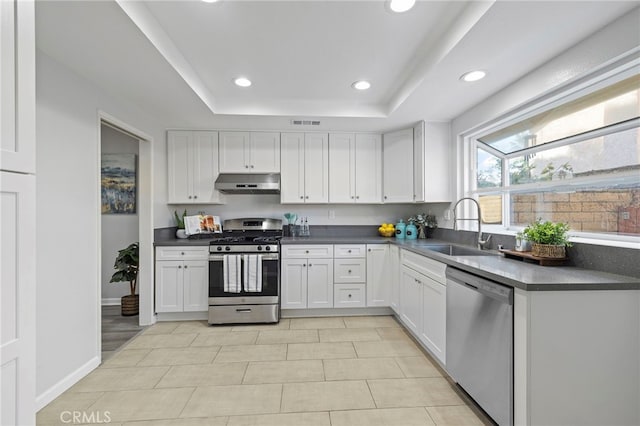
(378, 275)
(182, 285)
(411, 300)
(394, 278)
(423, 301)
(434, 316)
(307, 277)
(349, 295)
(320, 283)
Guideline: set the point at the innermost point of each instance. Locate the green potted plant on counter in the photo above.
(180, 232)
(126, 266)
(548, 239)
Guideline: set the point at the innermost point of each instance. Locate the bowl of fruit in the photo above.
(387, 230)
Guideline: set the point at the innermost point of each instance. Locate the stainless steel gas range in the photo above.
(244, 272)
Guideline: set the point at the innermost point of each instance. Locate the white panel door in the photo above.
(434, 316)
(234, 152)
(394, 278)
(264, 152)
(205, 167)
(368, 168)
(378, 275)
(293, 285)
(17, 86)
(341, 168)
(196, 286)
(411, 300)
(169, 286)
(17, 299)
(179, 167)
(316, 168)
(398, 167)
(292, 168)
(320, 283)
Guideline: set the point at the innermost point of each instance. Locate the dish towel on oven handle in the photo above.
(232, 271)
(253, 273)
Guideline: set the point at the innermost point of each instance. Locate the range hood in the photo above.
(245, 183)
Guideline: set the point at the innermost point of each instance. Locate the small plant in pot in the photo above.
(126, 266)
(180, 232)
(548, 239)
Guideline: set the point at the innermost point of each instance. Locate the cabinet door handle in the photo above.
(304, 265)
(246, 166)
(352, 197)
(179, 266)
(348, 251)
(369, 250)
(301, 197)
(189, 196)
(307, 197)
(195, 196)
(357, 197)
(182, 253)
(349, 270)
(185, 266)
(252, 166)
(385, 197)
(349, 296)
(310, 265)
(306, 251)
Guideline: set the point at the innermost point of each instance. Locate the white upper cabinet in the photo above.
(398, 167)
(355, 163)
(193, 167)
(304, 168)
(431, 162)
(17, 87)
(249, 152)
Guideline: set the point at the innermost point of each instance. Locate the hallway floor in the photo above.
(116, 330)
(307, 371)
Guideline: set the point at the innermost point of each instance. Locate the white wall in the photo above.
(609, 43)
(118, 230)
(68, 212)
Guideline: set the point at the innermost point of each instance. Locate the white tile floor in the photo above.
(307, 371)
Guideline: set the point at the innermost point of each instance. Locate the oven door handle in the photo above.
(220, 257)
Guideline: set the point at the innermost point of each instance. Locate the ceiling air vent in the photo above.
(305, 122)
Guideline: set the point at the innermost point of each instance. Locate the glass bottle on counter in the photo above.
(304, 231)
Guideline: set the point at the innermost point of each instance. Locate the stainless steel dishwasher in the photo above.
(480, 341)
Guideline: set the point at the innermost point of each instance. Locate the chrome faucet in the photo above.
(481, 242)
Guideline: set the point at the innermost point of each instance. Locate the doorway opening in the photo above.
(126, 218)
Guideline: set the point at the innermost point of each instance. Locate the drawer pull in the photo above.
(304, 265)
(179, 266)
(349, 270)
(244, 310)
(348, 251)
(306, 251)
(310, 265)
(185, 266)
(349, 296)
(182, 253)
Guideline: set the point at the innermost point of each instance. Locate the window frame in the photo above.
(599, 79)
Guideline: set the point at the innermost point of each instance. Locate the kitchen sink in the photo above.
(452, 250)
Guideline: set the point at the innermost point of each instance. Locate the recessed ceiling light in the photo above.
(361, 85)
(242, 82)
(210, 1)
(400, 6)
(473, 76)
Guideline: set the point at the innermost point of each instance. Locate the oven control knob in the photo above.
(260, 248)
(227, 248)
(219, 248)
(268, 248)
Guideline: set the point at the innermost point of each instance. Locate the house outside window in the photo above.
(576, 162)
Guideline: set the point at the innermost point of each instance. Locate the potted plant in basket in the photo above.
(126, 266)
(548, 239)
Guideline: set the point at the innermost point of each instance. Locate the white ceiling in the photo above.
(177, 59)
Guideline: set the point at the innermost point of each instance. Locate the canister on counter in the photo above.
(411, 231)
(400, 230)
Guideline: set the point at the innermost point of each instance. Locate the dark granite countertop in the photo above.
(513, 273)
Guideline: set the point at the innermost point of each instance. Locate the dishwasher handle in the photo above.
(489, 288)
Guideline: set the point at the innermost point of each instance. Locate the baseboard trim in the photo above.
(113, 301)
(333, 312)
(59, 388)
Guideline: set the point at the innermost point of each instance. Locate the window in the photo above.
(578, 162)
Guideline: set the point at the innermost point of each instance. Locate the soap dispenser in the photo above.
(400, 230)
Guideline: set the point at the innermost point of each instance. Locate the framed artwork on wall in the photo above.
(118, 184)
